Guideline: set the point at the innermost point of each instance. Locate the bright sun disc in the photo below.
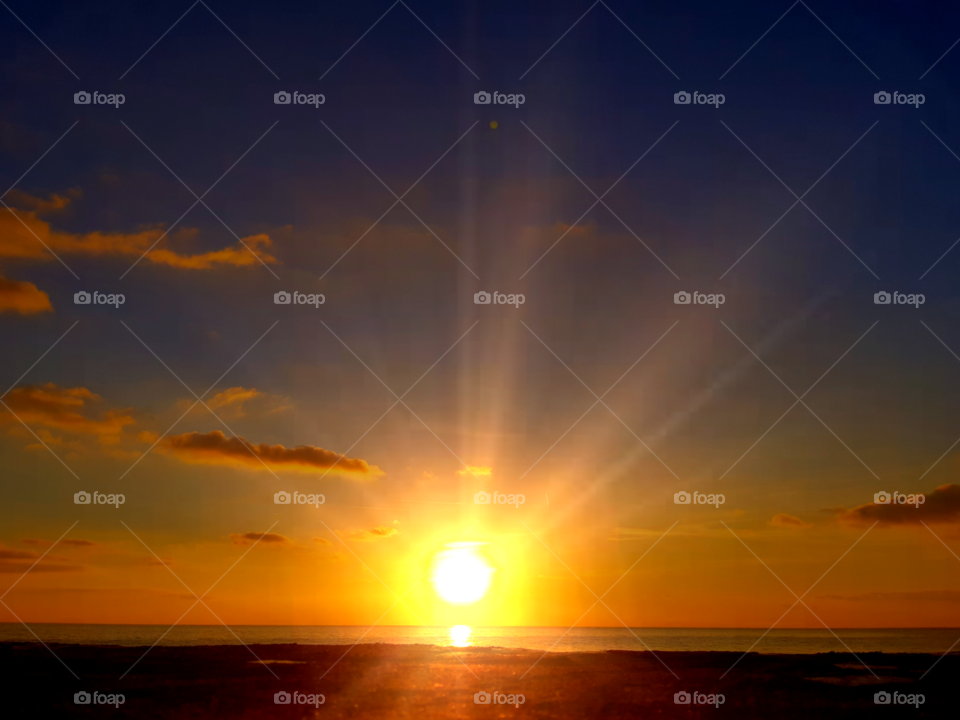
(461, 577)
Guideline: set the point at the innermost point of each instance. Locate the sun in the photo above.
(461, 576)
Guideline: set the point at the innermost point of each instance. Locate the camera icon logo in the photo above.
(81, 698)
(481, 698)
(481, 498)
(681, 498)
(681, 298)
(881, 698)
(481, 98)
(681, 98)
(881, 98)
(281, 698)
(81, 98)
(681, 698)
(281, 298)
(81, 498)
(81, 298)
(281, 498)
(881, 298)
(481, 298)
(881, 498)
(281, 98)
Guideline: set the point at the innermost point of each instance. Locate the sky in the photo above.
(399, 398)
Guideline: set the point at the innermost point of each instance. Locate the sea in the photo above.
(554, 639)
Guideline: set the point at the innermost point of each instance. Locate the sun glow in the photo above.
(461, 576)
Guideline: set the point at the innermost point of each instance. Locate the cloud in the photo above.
(322, 541)
(941, 506)
(788, 521)
(377, 533)
(18, 239)
(156, 562)
(19, 561)
(22, 298)
(908, 596)
(70, 542)
(215, 448)
(61, 408)
(21, 567)
(477, 470)
(234, 397)
(236, 402)
(8, 554)
(264, 537)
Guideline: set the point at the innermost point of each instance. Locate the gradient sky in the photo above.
(492, 396)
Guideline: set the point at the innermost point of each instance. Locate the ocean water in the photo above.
(895, 640)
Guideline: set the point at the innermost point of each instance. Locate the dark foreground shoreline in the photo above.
(425, 682)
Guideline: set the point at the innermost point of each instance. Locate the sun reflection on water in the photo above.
(460, 636)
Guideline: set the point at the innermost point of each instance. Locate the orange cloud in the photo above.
(376, 533)
(21, 567)
(233, 396)
(156, 562)
(236, 402)
(18, 239)
(23, 298)
(322, 541)
(61, 408)
(788, 521)
(940, 506)
(477, 470)
(71, 542)
(19, 561)
(264, 537)
(215, 448)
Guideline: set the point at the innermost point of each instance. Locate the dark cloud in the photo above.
(215, 448)
(70, 542)
(376, 533)
(940, 506)
(915, 596)
(264, 537)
